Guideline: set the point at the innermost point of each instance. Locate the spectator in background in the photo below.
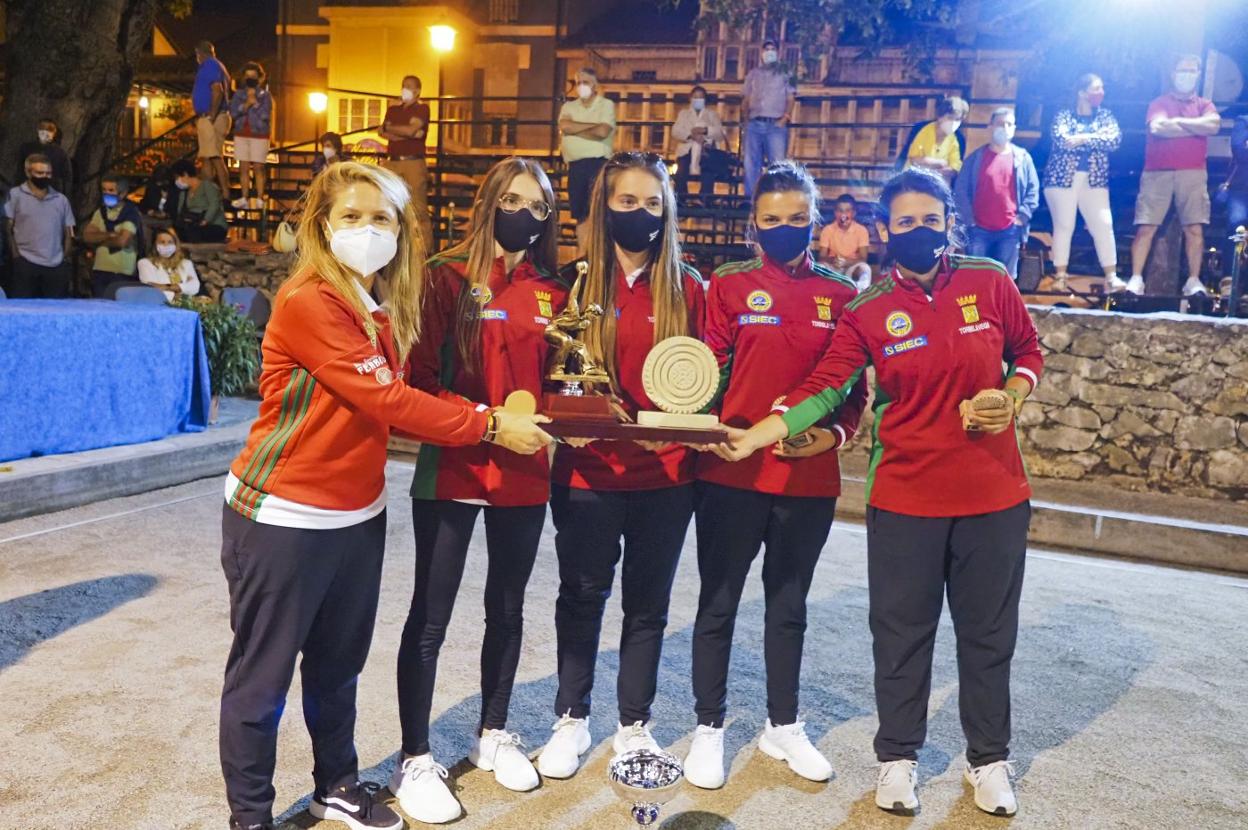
(114, 230)
(700, 139)
(202, 216)
(252, 111)
(210, 98)
(405, 127)
(169, 268)
(766, 107)
(1077, 178)
(588, 126)
(49, 144)
(332, 152)
(39, 229)
(1235, 191)
(158, 194)
(845, 244)
(937, 145)
(997, 192)
(1175, 156)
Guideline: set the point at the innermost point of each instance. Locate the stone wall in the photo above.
(219, 268)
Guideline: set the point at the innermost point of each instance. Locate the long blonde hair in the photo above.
(667, 286)
(173, 263)
(402, 279)
(477, 248)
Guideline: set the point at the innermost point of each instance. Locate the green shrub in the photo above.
(231, 343)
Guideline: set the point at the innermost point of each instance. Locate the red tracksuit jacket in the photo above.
(929, 354)
(513, 352)
(625, 465)
(768, 329)
(329, 397)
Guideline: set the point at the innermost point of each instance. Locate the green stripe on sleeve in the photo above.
(810, 411)
(882, 402)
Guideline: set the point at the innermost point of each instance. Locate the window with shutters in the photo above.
(504, 11)
(359, 113)
(732, 63)
(710, 63)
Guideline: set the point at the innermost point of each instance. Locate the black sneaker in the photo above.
(357, 807)
(264, 825)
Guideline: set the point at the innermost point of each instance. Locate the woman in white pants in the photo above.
(1076, 178)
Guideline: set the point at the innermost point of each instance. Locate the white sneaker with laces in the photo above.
(1136, 284)
(499, 751)
(894, 789)
(420, 785)
(633, 737)
(993, 791)
(1194, 286)
(562, 754)
(239, 203)
(789, 743)
(1115, 284)
(704, 765)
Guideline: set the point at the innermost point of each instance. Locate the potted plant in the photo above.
(232, 346)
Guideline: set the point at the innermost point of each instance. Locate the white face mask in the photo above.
(1185, 82)
(166, 251)
(584, 90)
(949, 127)
(698, 104)
(770, 56)
(329, 152)
(407, 95)
(45, 136)
(181, 184)
(364, 250)
(1001, 135)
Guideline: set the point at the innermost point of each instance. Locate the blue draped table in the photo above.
(81, 374)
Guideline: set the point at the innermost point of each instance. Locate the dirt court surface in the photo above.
(1129, 688)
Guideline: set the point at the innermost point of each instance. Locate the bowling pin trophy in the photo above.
(680, 376)
(645, 780)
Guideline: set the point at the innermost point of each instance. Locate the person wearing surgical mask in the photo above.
(114, 231)
(699, 137)
(168, 268)
(767, 100)
(999, 191)
(252, 111)
(406, 128)
(39, 234)
(587, 123)
(1176, 154)
(47, 142)
(303, 516)
(199, 210)
(332, 152)
(938, 145)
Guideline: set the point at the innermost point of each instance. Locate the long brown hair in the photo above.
(478, 251)
(401, 280)
(667, 287)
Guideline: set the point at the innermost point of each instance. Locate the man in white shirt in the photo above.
(697, 130)
(588, 126)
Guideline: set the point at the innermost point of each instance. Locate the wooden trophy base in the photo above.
(594, 416)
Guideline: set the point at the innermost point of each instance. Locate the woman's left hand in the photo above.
(996, 417)
(653, 446)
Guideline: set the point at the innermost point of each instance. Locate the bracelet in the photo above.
(1018, 398)
(491, 428)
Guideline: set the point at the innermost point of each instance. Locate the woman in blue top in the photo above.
(252, 110)
(1077, 179)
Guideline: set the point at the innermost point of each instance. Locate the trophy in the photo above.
(680, 376)
(646, 781)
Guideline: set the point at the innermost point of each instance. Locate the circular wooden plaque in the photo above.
(680, 375)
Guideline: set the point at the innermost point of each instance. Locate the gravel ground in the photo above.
(1128, 689)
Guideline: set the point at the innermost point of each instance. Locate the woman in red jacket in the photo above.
(769, 320)
(485, 313)
(304, 522)
(607, 491)
(948, 499)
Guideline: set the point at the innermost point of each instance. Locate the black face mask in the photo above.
(41, 182)
(634, 230)
(918, 250)
(517, 231)
(252, 82)
(784, 243)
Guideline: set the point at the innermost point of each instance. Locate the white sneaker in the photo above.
(894, 789)
(1136, 284)
(256, 203)
(634, 737)
(420, 785)
(993, 792)
(789, 743)
(1194, 286)
(499, 750)
(562, 754)
(239, 203)
(704, 765)
(1115, 284)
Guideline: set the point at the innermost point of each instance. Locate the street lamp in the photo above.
(318, 102)
(442, 38)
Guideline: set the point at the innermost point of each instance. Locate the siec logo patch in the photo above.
(898, 324)
(758, 320)
(492, 314)
(759, 301)
(910, 345)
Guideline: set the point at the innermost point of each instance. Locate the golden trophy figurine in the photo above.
(571, 363)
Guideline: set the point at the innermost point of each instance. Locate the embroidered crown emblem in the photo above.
(969, 299)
